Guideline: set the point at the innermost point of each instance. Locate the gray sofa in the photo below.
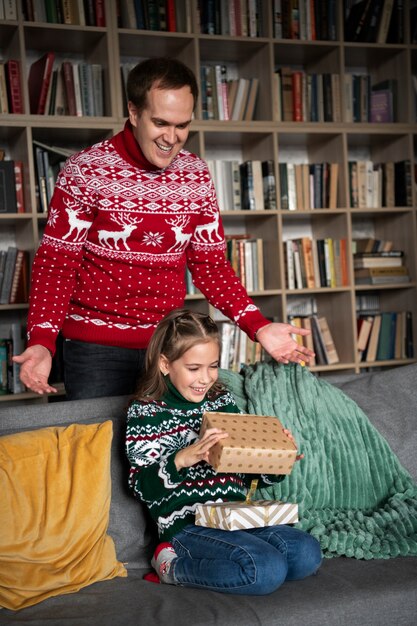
(344, 592)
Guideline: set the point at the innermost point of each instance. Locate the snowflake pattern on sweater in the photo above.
(155, 433)
(119, 235)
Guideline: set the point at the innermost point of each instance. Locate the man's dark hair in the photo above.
(164, 72)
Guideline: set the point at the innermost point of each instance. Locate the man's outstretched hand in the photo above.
(276, 339)
(35, 363)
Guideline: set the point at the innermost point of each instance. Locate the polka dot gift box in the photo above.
(256, 444)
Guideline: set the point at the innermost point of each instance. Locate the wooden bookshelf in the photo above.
(263, 138)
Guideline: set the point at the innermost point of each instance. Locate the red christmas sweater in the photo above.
(119, 236)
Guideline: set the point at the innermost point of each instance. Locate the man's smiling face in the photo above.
(162, 128)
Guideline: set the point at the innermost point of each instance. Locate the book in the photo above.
(381, 275)
(4, 102)
(306, 246)
(384, 22)
(308, 339)
(269, 187)
(39, 80)
(251, 99)
(388, 86)
(14, 86)
(328, 342)
(382, 107)
(318, 341)
(240, 99)
(382, 257)
(8, 274)
(409, 346)
(364, 332)
(386, 342)
(258, 185)
(19, 292)
(69, 88)
(286, 94)
(373, 339)
(18, 345)
(283, 183)
(333, 182)
(8, 200)
(3, 367)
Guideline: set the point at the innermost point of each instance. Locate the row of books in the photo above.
(244, 186)
(245, 254)
(73, 12)
(311, 264)
(370, 244)
(302, 97)
(320, 339)
(12, 198)
(365, 102)
(48, 161)
(11, 343)
(305, 19)
(164, 15)
(385, 336)
(11, 97)
(8, 9)
(374, 21)
(224, 96)
(236, 348)
(380, 268)
(305, 186)
(67, 88)
(239, 18)
(14, 275)
(380, 184)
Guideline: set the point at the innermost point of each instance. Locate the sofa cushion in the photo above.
(133, 536)
(389, 399)
(55, 486)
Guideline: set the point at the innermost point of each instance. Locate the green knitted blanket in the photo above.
(353, 494)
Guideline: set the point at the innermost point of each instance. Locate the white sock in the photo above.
(162, 561)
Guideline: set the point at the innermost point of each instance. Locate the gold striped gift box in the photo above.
(241, 515)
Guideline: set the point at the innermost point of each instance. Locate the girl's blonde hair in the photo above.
(177, 332)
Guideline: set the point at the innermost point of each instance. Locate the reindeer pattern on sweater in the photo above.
(118, 238)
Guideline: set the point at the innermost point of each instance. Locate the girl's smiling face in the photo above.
(195, 371)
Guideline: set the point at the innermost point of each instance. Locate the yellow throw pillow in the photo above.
(55, 495)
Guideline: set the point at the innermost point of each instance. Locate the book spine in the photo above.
(100, 13)
(14, 86)
(20, 196)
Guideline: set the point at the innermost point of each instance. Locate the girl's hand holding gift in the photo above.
(290, 436)
(199, 451)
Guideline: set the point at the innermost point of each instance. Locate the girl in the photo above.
(170, 473)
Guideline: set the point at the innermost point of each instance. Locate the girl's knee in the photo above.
(309, 558)
(271, 572)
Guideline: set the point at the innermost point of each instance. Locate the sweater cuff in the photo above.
(251, 321)
(40, 337)
(176, 476)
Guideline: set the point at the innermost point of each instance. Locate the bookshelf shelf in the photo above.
(265, 137)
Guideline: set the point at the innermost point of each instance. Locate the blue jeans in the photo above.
(247, 562)
(92, 370)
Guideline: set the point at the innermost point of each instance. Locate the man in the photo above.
(127, 216)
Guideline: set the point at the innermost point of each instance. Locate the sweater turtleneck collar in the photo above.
(126, 145)
(174, 399)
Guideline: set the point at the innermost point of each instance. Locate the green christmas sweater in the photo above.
(156, 430)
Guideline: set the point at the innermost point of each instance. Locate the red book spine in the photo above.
(171, 17)
(297, 101)
(14, 86)
(100, 13)
(69, 87)
(45, 83)
(18, 176)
